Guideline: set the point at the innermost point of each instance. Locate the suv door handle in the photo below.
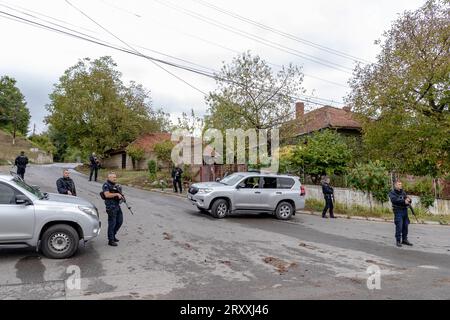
(279, 192)
(257, 192)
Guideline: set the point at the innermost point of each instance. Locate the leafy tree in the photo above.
(250, 95)
(403, 98)
(163, 151)
(192, 123)
(44, 142)
(95, 111)
(371, 178)
(322, 153)
(136, 153)
(14, 114)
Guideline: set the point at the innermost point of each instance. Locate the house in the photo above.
(342, 120)
(119, 158)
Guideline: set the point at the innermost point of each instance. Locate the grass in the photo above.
(9, 152)
(382, 213)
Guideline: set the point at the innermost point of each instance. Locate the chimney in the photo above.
(299, 110)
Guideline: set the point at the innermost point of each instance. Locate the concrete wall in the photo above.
(351, 197)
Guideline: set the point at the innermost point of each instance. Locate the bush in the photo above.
(136, 153)
(152, 169)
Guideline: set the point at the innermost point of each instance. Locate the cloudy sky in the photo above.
(200, 35)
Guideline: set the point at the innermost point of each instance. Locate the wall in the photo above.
(351, 197)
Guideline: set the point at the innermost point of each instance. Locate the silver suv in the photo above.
(241, 192)
(53, 223)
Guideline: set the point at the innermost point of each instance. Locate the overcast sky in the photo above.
(37, 58)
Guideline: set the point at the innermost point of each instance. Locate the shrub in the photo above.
(152, 168)
(136, 153)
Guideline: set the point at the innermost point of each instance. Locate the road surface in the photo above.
(169, 250)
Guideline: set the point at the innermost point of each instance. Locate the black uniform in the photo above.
(115, 215)
(176, 176)
(328, 194)
(21, 163)
(401, 218)
(94, 164)
(66, 184)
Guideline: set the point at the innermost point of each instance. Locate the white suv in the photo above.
(246, 192)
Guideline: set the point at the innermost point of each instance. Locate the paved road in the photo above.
(168, 250)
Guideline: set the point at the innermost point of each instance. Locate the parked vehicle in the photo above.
(52, 223)
(280, 195)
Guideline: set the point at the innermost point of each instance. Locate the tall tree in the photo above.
(404, 97)
(14, 114)
(96, 111)
(251, 95)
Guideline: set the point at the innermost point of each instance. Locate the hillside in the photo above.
(8, 151)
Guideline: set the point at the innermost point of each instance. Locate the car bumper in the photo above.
(201, 201)
(93, 232)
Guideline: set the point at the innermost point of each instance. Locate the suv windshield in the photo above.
(30, 189)
(232, 179)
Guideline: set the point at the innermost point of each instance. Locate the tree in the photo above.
(136, 153)
(96, 112)
(371, 178)
(44, 142)
(403, 98)
(251, 96)
(14, 114)
(322, 153)
(163, 151)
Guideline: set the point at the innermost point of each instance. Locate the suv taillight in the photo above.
(302, 191)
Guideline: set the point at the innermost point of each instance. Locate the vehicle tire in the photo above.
(60, 242)
(284, 211)
(220, 208)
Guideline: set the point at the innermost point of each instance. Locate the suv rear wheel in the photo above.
(220, 209)
(284, 211)
(60, 241)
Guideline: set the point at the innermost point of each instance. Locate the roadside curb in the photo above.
(169, 193)
(340, 216)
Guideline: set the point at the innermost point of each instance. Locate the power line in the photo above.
(102, 43)
(256, 38)
(282, 33)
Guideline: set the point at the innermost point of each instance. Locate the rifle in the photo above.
(118, 190)
(412, 211)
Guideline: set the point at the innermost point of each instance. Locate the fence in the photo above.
(351, 197)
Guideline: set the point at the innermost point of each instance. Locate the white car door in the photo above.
(248, 194)
(16, 220)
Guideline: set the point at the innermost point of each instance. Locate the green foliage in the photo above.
(251, 95)
(163, 151)
(152, 169)
(323, 153)
(136, 153)
(13, 109)
(403, 98)
(93, 110)
(371, 178)
(43, 142)
(187, 173)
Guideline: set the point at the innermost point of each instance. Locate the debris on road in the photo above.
(167, 236)
(281, 266)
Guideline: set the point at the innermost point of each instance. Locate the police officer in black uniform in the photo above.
(328, 193)
(65, 185)
(112, 193)
(177, 177)
(400, 203)
(21, 164)
(94, 163)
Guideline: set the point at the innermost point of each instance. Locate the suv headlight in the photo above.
(90, 211)
(205, 191)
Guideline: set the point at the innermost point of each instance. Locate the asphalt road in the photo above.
(168, 250)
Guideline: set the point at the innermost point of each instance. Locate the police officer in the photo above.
(176, 176)
(65, 185)
(21, 164)
(112, 195)
(400, 203)
(328, 194)
(94, 163)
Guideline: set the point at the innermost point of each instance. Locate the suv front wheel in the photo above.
(60, 241)
(284, 211)
(220, 209)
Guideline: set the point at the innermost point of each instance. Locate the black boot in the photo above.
(112, 243)
(399, 244)
(116, 240)
(407, 243)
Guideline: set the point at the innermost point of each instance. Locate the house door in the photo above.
(124, 160)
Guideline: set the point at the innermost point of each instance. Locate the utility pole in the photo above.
(15, 123)
(34, 129)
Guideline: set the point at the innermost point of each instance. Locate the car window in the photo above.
(7, 194)
(29, 188)
(285, 183)
(250, 183)
(231, 180)
(269, 183)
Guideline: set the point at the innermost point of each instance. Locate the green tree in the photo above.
(322, 153)
(371, 178)
(136, 153)
(403, 98)
(43, 142)
(96, 112)
(163, 151)
(14, 114)
(251, 96)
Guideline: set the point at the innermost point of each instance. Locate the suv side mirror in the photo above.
(21, 199)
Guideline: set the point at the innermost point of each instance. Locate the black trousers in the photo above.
(328, 206)
(21, 173)
(401, 221)
(177, 183)
(93, 170)
(115, 221)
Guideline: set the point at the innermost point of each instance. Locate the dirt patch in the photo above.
(280, 265)
(167, 236)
